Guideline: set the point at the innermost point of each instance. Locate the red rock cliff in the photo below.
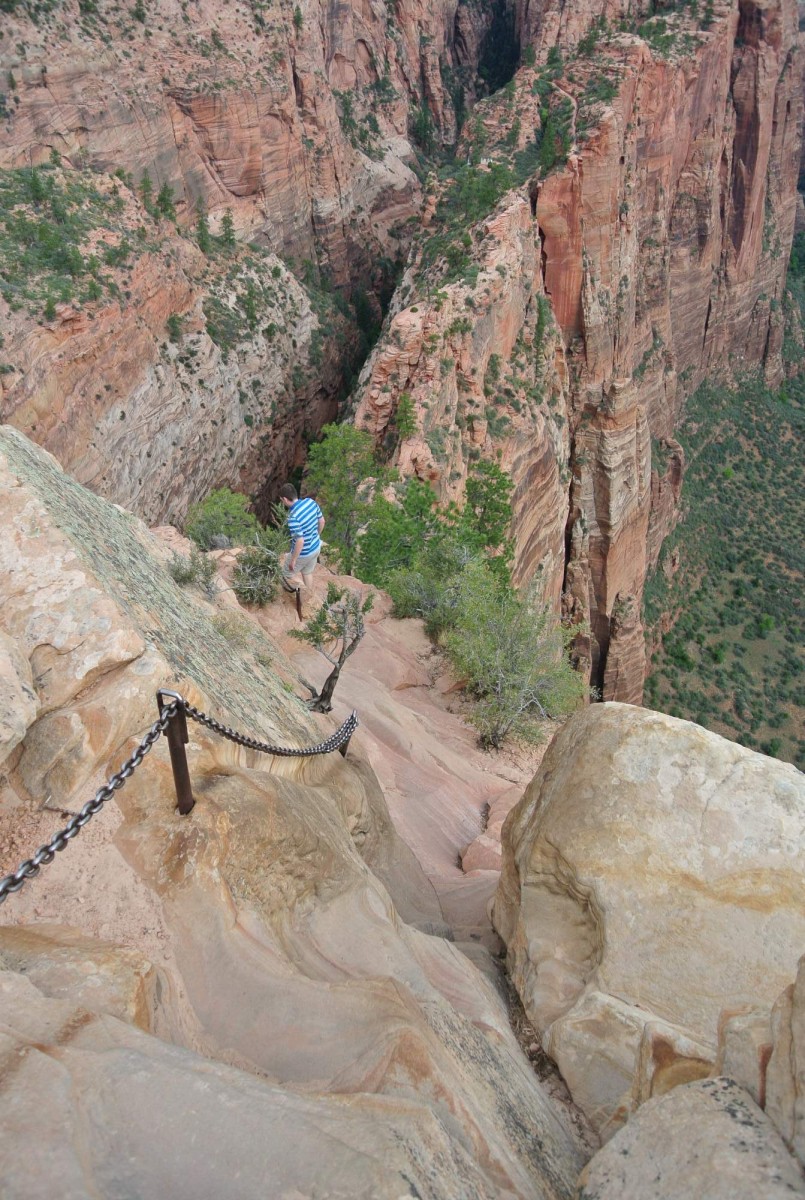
(661, 245)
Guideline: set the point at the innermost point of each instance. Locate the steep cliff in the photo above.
(654, 163)
(294, 119)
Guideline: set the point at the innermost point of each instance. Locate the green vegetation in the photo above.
(258, 572)
(468, 195)
(335, 631)
(46, 219)
(223, 514)
(512, 653)
(257, 575)
(337, 467)
(734, 659)
(198, 569)
(405, 417)
(451, 568)
(228, 230)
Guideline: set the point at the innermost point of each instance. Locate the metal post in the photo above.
(342, 749)
(299, 603)
(177, 736)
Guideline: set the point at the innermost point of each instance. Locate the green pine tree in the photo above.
(228, 230)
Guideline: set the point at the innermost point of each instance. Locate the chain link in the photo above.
(45, 854)
(335, 742)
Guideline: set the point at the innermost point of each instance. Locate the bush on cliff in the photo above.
(512, 655)
(223, 514)
(451, 568)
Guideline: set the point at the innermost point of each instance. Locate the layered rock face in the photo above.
(269, 972)
(239, 108)
(187, 374)
(292, 118)
(651, 887)
(661, 246)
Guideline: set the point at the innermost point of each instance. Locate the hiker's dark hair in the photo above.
(288, 492)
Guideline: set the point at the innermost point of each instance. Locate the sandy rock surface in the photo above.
(708, 1140)
(653, 877)
(279, 930)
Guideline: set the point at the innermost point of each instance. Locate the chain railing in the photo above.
(173, 713)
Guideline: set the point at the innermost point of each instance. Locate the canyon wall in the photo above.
(660, 243)
(553, 316)
(291, 118)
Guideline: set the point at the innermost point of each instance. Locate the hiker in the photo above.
(305, 523)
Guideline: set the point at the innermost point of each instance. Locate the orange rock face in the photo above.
(661, 247)
(298, 126)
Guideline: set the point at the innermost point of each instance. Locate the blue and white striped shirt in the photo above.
(303, 521)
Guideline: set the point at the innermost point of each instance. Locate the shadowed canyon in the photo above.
(564, 243)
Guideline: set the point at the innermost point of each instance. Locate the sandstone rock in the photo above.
(785, 1080)
(652, 875)
(100, 1108)
(483, 854)
(19, 703)
(266, 914)
(97, 976)
(744, 1050)
(705, 1139)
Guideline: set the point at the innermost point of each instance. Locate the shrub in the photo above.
(199, 569)
(256, 577)
(513, 656)
(405, 417)
(223, 514)
(335, 631)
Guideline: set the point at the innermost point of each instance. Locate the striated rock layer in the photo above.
(294, 119)
(276, 937)
(661, 246)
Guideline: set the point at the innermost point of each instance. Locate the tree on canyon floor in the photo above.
(335, 631)
(730, 574)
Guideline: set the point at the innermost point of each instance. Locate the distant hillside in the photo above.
(730, 578)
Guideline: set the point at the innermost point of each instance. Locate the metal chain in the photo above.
(45, 854)
(338, 739)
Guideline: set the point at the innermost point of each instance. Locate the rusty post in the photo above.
(299, 603)
(177, 736)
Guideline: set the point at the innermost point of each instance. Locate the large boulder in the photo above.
(653, 877)
(707, 1139)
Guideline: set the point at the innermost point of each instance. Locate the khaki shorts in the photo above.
(305, 565)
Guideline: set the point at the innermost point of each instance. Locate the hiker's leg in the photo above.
(291, 579)
(307, 566)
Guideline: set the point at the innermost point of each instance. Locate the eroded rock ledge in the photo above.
(270, 968)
